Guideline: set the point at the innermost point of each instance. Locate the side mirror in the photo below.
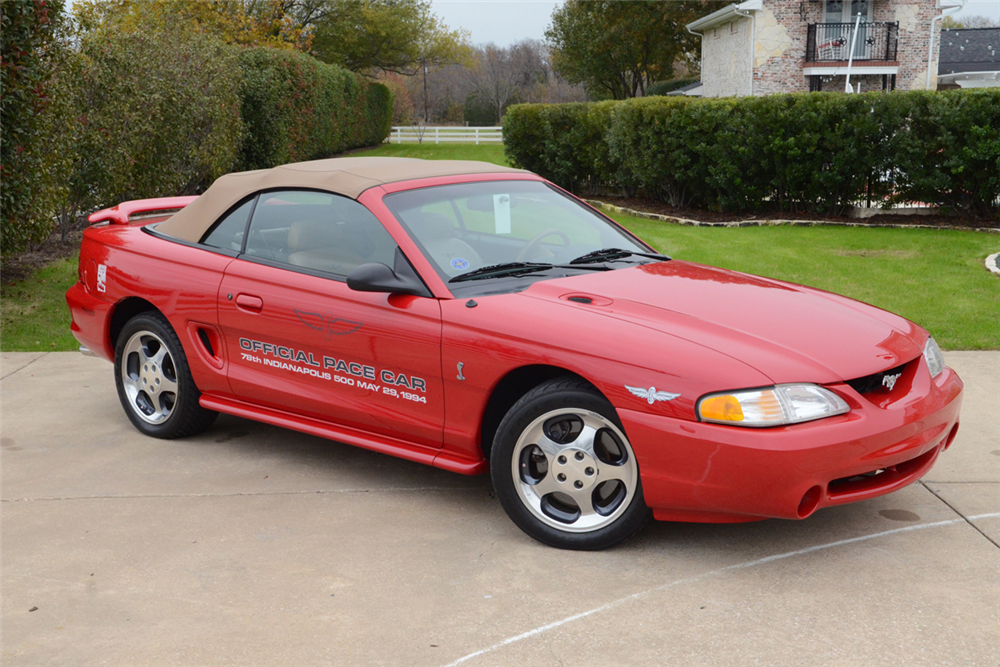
(380, 278)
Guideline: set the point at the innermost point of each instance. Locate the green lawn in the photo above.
(935, 278)
(450, 151)
(33, 313)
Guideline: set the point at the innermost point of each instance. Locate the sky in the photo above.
(502, 22)
(507, 21)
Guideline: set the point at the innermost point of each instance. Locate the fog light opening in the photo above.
(809, 502)
(951, 436)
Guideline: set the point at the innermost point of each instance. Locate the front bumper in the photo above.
(693, 471)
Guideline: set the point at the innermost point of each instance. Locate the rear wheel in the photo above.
(154, 382)
(564, 470)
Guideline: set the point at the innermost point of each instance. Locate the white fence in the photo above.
(438, 135)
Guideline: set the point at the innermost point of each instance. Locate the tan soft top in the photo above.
(349, 176)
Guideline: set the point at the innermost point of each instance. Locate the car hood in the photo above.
(788, 332)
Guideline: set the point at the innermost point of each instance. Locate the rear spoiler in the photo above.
(120, 214)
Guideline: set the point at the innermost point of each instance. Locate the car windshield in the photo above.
(470, 230)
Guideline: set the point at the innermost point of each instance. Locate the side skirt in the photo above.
(377, 443)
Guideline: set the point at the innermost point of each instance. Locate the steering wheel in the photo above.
(536, 242)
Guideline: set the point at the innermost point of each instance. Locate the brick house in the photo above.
(761, 47)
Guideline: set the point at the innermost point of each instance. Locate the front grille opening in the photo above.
(880, 478)
(882, 382)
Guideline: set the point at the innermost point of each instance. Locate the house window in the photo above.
(844, 11)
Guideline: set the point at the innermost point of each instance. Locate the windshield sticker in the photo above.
(330, 326)
(501, 213)
(348, 373)
(459, 264)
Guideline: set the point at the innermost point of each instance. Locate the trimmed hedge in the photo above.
(567, 141)
(152, 114)
(805, 151)
(29, 54)
(295, 108)
(149, 114)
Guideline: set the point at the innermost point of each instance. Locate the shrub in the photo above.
(666, 146)
(154, 114)
(565, 142)
(523, 137)
(296, 108)
(950, 150)
(820, 152)
(28, 56)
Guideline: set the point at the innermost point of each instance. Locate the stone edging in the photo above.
(993, 263)
(767, 223)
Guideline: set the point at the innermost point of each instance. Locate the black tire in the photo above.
(542, 491)
(154, 381)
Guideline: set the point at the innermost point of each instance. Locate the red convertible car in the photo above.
(475, 317)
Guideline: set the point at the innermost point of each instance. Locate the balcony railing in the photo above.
(831, 42)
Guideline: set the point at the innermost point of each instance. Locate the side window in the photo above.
(228, 232)
(319, 231)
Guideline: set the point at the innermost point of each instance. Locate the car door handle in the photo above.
(249, 303)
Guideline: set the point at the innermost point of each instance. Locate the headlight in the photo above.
(935, 360)
(771, 406)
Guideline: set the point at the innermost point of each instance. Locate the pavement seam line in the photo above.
(931, 481)
(738, 566)
(955, 510)
(40, 355)
(156, 496)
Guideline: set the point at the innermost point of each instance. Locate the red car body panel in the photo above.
(428, 367)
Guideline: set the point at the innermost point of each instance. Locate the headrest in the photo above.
(430, 226)
(311, 234)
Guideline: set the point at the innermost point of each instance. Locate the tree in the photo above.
(979, 22)
(502, 75)
(280, 24)
(372, 36)
(617, 49)
(403, 110)
(29, 54)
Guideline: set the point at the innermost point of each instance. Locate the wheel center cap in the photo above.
(575, 470)
(150, 378)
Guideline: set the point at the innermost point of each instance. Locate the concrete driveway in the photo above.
(252, 545)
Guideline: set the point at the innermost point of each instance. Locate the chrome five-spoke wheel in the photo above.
(574, 470)
(154, 382)
(564, 470)
(149, 377)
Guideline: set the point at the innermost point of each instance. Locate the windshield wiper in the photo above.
(607, 254)
(515, 268)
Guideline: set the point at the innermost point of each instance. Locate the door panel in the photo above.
(311, 345)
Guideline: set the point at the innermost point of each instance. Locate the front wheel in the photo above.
(154, 382)
(564, 471)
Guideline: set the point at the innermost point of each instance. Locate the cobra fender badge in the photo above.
(651, 394)
(460, 376)
(889, 381)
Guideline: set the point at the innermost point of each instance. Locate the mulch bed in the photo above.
(702, 215)
(18, 267)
